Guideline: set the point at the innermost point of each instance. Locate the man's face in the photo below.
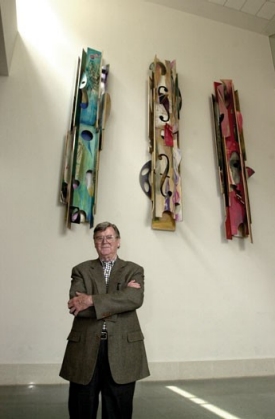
(106, 244)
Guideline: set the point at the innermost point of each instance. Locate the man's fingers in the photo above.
(133, 284)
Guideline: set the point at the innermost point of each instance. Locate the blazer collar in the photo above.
(97, 273)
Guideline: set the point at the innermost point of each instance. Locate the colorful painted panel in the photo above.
(231, 158)
(160, 177)
(91, 108)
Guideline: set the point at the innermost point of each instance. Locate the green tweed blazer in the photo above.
(126, 350)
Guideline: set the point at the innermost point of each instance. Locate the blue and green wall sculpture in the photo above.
(84, 140)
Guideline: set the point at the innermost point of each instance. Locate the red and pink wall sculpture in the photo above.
(231, 160)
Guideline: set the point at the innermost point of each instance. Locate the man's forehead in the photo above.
(109, 229)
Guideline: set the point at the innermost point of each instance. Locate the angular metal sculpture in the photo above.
(231, 157)
(84, 141)
(160, 177)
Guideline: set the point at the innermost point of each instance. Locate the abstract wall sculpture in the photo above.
(231, 157)
(84, 140)
(160, 177)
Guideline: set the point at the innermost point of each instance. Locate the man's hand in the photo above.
(133, 284)
(79, 303)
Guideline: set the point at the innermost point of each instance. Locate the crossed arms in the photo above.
(83, 301)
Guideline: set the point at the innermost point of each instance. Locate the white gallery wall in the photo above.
(209, 303)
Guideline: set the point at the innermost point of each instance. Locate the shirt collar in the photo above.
(111, 262)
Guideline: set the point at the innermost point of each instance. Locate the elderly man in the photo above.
(105, 351)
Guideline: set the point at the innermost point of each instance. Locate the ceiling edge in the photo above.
(8, 34)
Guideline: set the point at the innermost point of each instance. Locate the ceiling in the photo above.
(253, 15)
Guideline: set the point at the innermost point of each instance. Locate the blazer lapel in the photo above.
(98, 277)
(114, 280)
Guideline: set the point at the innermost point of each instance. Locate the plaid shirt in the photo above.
(107, 267)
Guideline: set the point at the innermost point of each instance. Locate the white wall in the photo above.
(209, 303)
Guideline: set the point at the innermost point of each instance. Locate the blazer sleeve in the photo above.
(78, 284)
(125, 298)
